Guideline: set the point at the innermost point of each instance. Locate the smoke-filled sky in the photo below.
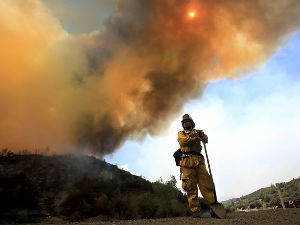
(252, 125)
(87, 76)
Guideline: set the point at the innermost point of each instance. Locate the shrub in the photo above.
(22, 217)
(76, 216)
(230, 209)
(123, 208)
(252, 205)
(103, 205)
(275, 202)
(147, 205)
(78, 200)
(172, 202)
(17, 192)
(267, 198)
(258, 204)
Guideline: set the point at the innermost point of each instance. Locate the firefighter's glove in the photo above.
(194, 133)
(203, 136)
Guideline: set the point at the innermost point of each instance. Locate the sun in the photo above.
(191, 14)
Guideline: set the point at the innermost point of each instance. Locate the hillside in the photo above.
(266, 197)
(78, 187)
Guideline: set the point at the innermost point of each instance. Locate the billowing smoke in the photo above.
(91, 92)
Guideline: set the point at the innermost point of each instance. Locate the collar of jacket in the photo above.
(187, 131)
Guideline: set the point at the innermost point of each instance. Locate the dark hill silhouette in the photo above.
(78, 187)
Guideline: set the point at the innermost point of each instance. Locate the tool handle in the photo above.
(210, 173)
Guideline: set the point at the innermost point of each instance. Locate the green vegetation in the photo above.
(79, 187)
(266, 196)
(162, 199)
(17, 193)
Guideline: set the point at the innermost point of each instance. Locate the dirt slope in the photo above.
(276, 216)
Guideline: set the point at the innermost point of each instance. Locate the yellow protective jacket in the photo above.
(189, 142)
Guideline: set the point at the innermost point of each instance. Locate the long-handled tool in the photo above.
(217, 207)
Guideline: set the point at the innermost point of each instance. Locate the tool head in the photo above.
(218, 210)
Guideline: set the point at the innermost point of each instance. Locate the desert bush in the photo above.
(172, 202)
(123, 208)
(22, 217)
(171, 208)
(258, 204)
(147, 205)
(49, 203)
(76, 216)
(230, 209)
(103, 205)
(78, 200)
(252, 205)
(17, 192)
(166, 189)
(86, 202)
(267, 198)
(275, 202)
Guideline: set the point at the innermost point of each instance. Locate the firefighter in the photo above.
(192, 166)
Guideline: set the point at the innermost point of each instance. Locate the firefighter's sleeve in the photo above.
(185, 140)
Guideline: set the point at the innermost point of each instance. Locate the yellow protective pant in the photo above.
(193, 176)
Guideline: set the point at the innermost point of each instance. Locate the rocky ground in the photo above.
(274, 216)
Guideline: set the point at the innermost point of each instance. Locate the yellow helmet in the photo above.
(185, 118)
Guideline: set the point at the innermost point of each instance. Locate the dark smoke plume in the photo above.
(91, 92)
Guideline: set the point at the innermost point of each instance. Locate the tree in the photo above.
(275, 201)
(267, 198)
(252, 205)
(172, 182)
(147, 205)
(258, 204)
